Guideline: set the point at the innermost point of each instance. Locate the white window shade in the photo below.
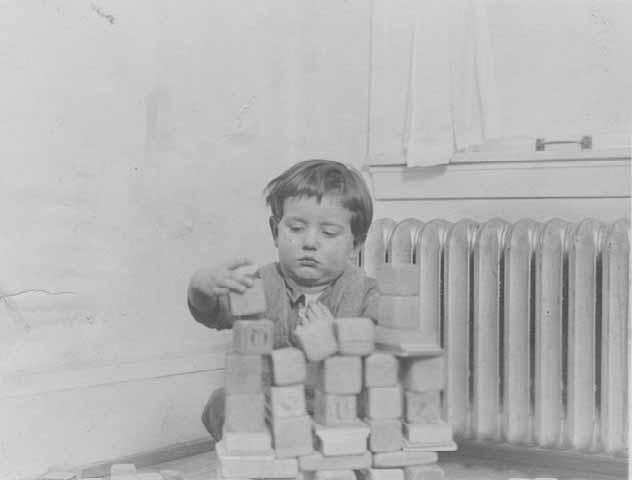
(455, 80)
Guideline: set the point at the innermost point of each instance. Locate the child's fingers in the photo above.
(238, 262)
(232, 285)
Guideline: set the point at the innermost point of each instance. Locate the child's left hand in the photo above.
(317, 312)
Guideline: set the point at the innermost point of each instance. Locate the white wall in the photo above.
(136, 138)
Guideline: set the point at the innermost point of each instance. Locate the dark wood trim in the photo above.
(557, 463)
(153, 457)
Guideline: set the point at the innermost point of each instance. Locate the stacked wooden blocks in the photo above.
(376, 412)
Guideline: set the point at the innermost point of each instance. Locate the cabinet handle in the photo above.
(585, 142)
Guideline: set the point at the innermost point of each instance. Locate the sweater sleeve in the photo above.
(371, 299)
(210, 310)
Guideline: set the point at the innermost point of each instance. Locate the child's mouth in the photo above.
(308, 261)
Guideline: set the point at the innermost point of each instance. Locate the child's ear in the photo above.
(274, 229)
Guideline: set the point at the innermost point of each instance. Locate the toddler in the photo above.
(321, 212)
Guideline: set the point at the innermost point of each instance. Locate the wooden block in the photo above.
(341, 375)
(382, 402)
(243, 373)
(331, 409)
(355, 335)
(171, 475)
(118, 469)
(428, 433)
(247, 443)
(286, 401)
(251, 302)
(405, 342)
(347, 439)
(317, 340)
(423, 374)
(403, 459)
(65, 474)
(316, 461)
(424, 472)
(148, 476)
(288, 366)
(428, 447)
(398, 279)
(381, 370)
(335, 475)
(253, 336)
(398, 312)
(245, 412)
(385, 435)
(292, 436)
(422, 407)
(382, 474)
(254, 466)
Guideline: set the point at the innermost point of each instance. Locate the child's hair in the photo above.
(315, 178)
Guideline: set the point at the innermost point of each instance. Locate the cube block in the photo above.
(398, 279)
(292, 436)
(437, 433)
(382, 402)
(385, 435)
(381, 370)
(422, 407)
(398, 312)
(355, 335)
(286, 401)
(331, 409)
(253, 336)
(335, 475)
(424, 472)
(340, 375)
(403, 459)
(251, 302)
(382, 474)
(247, 443)
(243, 373)
(317, 340)
(316, 461)
(245, 412)
(288, 366)
(342, 440)
(254, 466)
(424, 374)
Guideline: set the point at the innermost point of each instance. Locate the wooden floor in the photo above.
(203, 467)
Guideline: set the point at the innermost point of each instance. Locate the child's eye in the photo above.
(295, 228)
(330, 233)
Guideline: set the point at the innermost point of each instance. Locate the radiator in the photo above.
(533, 318)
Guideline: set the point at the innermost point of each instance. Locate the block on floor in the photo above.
(288, 366)
(122, 469)
(385, 435)
(251, 302)
(349, 439)
(398, 279)
(424, 472)
(253, 336)
(247, 443)
(398, 312)
(243, 373)
(403, 459)
(254, 466)
(382, 474)
(317, 461)
(428, 433)
(423, 374)
(286, 401)
(422, 407)
(346, 474)
(355, 335)
(317, 340)
(381, 370)
(292, 436)
(341, 375)
(332, 409)
(245, 412)
(382, 402)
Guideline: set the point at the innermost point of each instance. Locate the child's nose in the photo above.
(310, 239)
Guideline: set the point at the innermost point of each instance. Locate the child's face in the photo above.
(314, 240)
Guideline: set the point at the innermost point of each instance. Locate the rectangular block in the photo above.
(253, 337)
(398, 279)
(428, 433)
(254, 466)
(251, 302)
(245, 412)
(398, 312)
(423, 374)
(247, 443)
(382, 402)
(342, 440)
(341, 375)
(403, 459)
(424, 472)
(382, 474)
(243, 373)
(288, 366)
(381, 370)
(355, 335)
(331, 409)
(292, 436)
(385, 435)
(286, 401)
(335, 475)
(405, 341)
(317, 340)
(428, 447)
(316, 461)
(422, 407)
